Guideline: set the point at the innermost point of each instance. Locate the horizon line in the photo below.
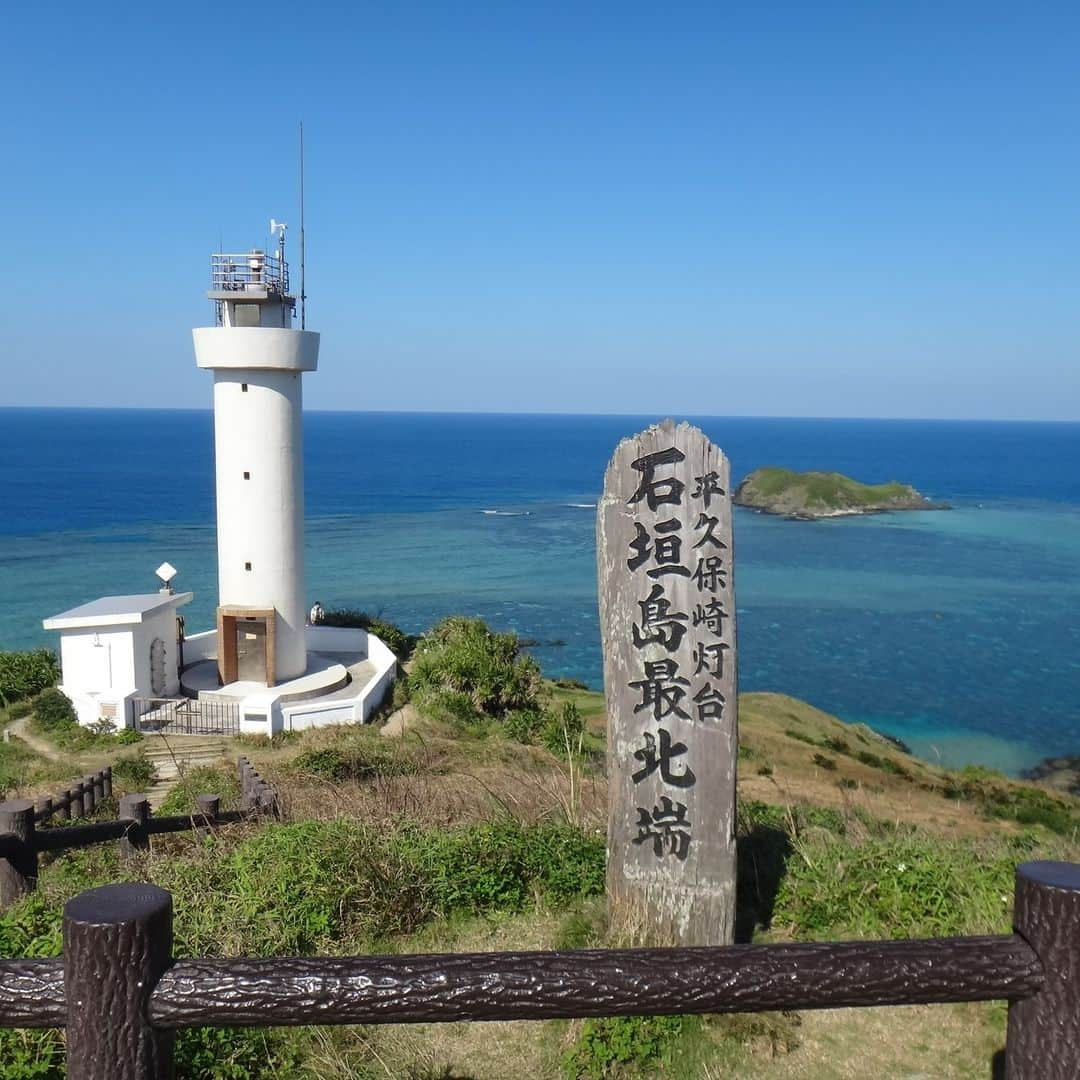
(663, 414)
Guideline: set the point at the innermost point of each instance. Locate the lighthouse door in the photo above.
(251, 650)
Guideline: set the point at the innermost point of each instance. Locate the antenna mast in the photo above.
(303, 291)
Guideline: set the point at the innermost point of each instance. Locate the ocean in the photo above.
(955, 631)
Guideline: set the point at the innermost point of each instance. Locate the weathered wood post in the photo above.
(134, 808)
(667, 615)
(1044, 1030)
(264, 797)
(117, 944)
(76, 795)
(99, 787)
(43, 808)
(208, 805)
(62, 808)
(249, 800)
(88, 800)
(106, 781)
(18, 860)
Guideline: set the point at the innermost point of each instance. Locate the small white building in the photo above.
(118, 648)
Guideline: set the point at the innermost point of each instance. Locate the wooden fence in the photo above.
(122, 996)
(21, 842)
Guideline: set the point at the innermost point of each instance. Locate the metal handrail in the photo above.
(248, 270)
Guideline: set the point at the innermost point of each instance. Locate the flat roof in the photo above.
(115, 610)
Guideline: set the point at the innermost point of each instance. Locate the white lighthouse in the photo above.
(258, 360)
(131, 661)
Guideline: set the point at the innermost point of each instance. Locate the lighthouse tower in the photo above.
(258, 361)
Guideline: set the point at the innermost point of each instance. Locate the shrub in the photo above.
(53, 711)
(24, 674)
(355, 761)
(1019, 803)
(54, 716)
(464, 671)
(134, 772)
(522, 724)
(562, 731)
(622, 1042)
(571, 684)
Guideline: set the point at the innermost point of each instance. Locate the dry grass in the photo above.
(456, 779)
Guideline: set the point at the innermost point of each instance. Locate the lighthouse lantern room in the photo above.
(258, 360)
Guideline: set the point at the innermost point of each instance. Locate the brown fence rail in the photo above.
(78, 800)
(121, 996)
(21, 841)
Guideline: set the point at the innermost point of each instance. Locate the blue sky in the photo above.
(787, 209)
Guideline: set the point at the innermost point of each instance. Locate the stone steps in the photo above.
(176, 754)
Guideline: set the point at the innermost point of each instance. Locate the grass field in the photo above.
(456, 837)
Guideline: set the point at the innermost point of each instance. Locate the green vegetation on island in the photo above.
(812, 495)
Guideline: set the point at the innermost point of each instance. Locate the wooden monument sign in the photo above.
(667, 613)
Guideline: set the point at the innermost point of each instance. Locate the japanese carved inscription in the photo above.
(667, 613)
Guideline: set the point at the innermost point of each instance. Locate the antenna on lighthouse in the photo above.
(303, 291)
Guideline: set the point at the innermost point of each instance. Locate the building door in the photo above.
(246, 645)
(251, 650)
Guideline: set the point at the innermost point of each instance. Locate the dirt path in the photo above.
(20, 728)
(399, 722)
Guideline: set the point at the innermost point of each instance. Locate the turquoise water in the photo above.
(955, 631)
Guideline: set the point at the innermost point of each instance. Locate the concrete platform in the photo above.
(325, 674)
(349, 673)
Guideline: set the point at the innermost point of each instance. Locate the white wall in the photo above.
(256, 347)
(355, 710)
(260, 518)
(99, 677)
(200, 646)
(161, 624)
(96, 668)
(337, 639)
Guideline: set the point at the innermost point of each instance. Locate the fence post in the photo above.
(134, 808)
(106, 781)
(43, 807)
(117, 944)
(245, 770)
(88, 802)
(208, 805)
(62, 807)
(99, 787)
(1044, 1031)
(249, 780)
(18, 869)
(76, 794)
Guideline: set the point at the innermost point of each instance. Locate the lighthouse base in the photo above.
(348, 675)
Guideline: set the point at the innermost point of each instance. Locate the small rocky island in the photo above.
(808, 496)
